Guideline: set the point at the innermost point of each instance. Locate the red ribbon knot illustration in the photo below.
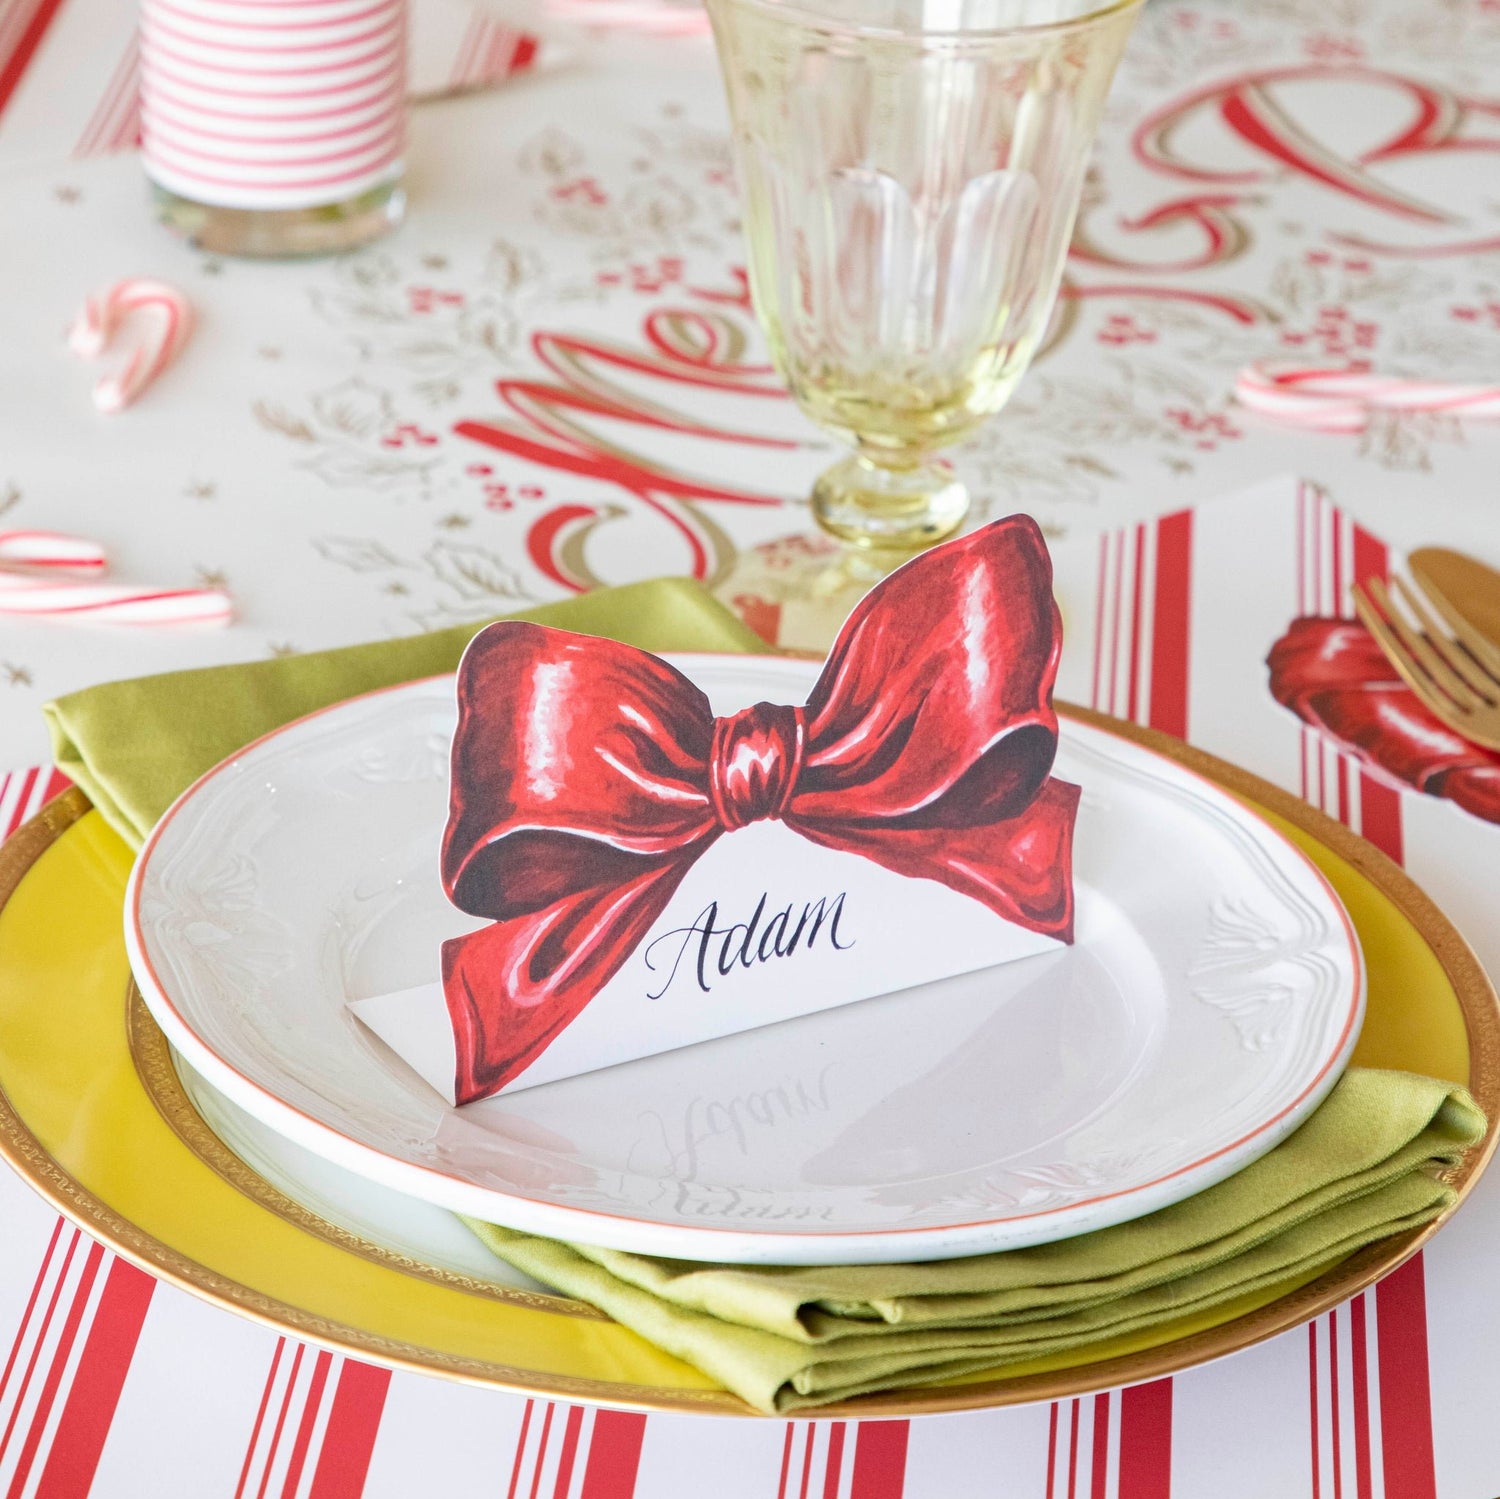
(589, 777)
(754, 762)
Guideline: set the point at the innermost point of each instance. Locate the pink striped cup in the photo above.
(272, 104)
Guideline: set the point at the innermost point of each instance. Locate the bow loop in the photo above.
(754, 762)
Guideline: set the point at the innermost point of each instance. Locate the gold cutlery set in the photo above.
(1443, 637)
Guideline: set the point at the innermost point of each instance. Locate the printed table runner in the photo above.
(551, 377)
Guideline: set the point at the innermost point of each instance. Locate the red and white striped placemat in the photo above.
(108, 1377)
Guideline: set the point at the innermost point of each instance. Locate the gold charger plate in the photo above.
(92, 1115)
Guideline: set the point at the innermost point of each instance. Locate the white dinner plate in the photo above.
(1210, 1001)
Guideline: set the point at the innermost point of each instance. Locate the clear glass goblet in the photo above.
(910, 172)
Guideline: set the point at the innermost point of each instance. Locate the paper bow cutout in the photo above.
(588, 777)
(1333, 675)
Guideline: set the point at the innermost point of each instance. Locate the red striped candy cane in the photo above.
(112, 603)
(51, 550)
(1342, 400)
(168, 323)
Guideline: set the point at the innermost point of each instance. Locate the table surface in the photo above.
(513, 399)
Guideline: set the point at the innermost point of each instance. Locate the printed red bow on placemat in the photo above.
(1333, 675)
(588, 777)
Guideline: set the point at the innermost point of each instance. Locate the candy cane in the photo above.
(113, 603)
(1342, 400)
(51, 550)
(99, 321)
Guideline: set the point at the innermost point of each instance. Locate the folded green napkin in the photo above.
(1365, 1165)
(134, 745)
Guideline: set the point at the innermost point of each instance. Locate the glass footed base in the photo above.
(889, 509)
(283, 232)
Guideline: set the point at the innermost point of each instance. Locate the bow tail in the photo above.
(511, 987)
(1021, 868)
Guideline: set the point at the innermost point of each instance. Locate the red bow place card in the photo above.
(653, 865)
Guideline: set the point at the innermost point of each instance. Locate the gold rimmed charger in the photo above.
(93, 1116)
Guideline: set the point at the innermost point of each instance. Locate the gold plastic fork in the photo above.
(1455, 672)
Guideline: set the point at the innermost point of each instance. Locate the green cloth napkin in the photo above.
(135, 745)
(1365, 1165)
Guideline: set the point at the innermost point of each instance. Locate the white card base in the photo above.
(414, 1024)
(879, 932)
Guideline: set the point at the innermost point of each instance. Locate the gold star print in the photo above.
(435, 262)
(15, 676)
(455, 522)
(69, 195)
(397, 590)
(197, 489)
(281, 648)
(213, 267)
(212, 577)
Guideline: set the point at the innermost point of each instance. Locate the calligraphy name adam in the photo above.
(709, 948)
